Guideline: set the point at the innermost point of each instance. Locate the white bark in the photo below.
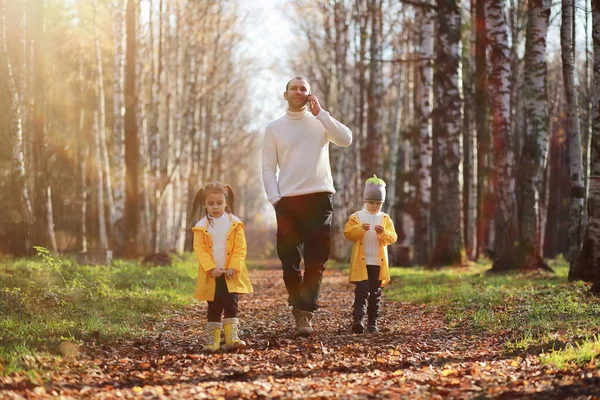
(12, 122)
(448, 246)
(103, 160)
(499, 101)
(422, 231)
(118, 110)
(573, 133)
(535, 147)
(469, 133)
(588, 267)
(102, 235)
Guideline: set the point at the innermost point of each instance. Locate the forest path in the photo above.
(416, 355)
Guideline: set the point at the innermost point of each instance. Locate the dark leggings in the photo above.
(368, 292)
(224, 302)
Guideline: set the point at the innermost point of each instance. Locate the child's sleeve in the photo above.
(353, 230)
(201, 251)
(239, 249)
(388, 236)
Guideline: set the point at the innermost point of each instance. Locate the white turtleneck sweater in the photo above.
(371, 241)
(298, 143)
(218, 229)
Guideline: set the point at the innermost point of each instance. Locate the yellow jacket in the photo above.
(355, 233)
(235, 259)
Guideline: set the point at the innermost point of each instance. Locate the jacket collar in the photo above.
(204, 228)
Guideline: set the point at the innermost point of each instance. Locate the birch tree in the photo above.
(535, 146)
(448, 244)
(103, 183)
(423, 191)
(484, 203)
(588, 265)
(372, 155)
(573, 133)
(118, 160)
(44, 219)
(131, 135)
(507, 232)
(469, 177)
(11, 129)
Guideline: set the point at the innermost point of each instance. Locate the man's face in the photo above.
(297, 94)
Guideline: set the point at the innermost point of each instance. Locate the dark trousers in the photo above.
(304, 229)
(224, 302)
(368, 292)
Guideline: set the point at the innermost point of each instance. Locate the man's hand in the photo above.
(313, 104)
(216, 272)
(230, 273)
(379, 229)
(366, 226)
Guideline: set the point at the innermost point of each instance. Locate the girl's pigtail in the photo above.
(198, 201)
(230, 199)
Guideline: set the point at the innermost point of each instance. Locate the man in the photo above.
(302, 194)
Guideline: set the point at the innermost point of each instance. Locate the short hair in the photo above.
(287, 86)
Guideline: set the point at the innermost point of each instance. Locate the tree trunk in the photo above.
(422, 244)
(11, 126)
(588, 266)
(469, 143)
(587, 111)
(535, 146)
(102, 242)
(391, 205)
(118, 137)
(448, 248)
(573, 134)
(43, 200)
(131, 135)
(506, 223)
(484, 199)
(372, 156)
(105, 200)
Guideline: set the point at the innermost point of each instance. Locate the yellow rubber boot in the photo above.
(213, 336)
(232, 341)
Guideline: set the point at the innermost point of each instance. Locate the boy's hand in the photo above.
(230, 273)
(366, 226)
(216, 272)
(379, 229)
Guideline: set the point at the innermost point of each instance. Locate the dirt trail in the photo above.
(416, 355)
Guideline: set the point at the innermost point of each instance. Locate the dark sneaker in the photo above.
(372, 327)
(358, 327)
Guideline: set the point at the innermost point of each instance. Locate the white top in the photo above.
(371, 241)
(218, 229)
(298, 143)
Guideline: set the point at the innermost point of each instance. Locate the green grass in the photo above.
(539, 312)
(44, 303)
(580, 354)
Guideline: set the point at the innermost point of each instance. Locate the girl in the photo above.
(372, 231)
(220, 247)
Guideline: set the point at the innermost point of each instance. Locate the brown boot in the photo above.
(296, 314)
(304, 326)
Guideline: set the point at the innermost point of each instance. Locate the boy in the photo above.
(372, 231)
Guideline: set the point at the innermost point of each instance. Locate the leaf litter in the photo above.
(417, 354)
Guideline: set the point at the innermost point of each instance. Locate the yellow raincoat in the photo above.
(358, 266)
(235, 259)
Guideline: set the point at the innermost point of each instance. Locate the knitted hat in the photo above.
(374, 189)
